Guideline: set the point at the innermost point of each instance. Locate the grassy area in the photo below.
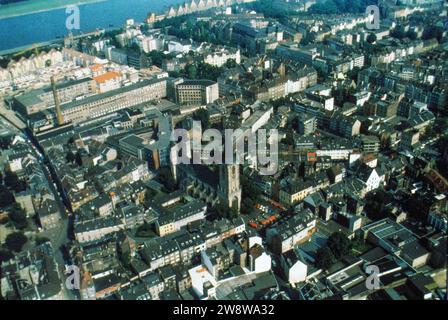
(440, 278)
(360, 247)
(32, 6)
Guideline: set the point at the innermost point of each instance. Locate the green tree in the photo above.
(376, 205)
(249, 191)
(309, 37)
(191, 71)
(339, 244)
(411, 35)
(221, 210)
(398, 32)
(5, 255)
(204, 116)
(78, 158)
(324, 258)
(6, 197)
(327, 7)
(353, 74)
(247, 205)
(5, 142)
(13, 182)
(288, 140)
(15, 241)
(156, 57)
(232, 213)
(359, 245)
(433, 32)
(267, 8)
(18, 216)
(207, 71)
(41, 240)
(231, 63)
(166, 178)
(440, 125)
(371, 38)
(70, 156)
(341, 6)
(150, 194)
(294, 124)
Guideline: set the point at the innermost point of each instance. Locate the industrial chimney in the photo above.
(57, 104)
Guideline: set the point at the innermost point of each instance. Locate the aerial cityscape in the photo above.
(238, 150)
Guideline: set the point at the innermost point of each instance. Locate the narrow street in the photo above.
(58, 236)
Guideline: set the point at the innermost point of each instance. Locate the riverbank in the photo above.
(40, 27)
(31, 47)
(35, 6)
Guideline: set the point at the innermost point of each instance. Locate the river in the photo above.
(43, 26)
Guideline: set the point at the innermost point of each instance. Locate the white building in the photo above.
(203, 282)
(15, 164)
(95, 229)
(371, 179)
(335, 153)
(259, 260)
(150, 43)
(177, 47)
(294, 269)
(257, 120)
(221, 56)
(108, 81)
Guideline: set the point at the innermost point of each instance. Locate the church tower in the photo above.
(229, 185)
